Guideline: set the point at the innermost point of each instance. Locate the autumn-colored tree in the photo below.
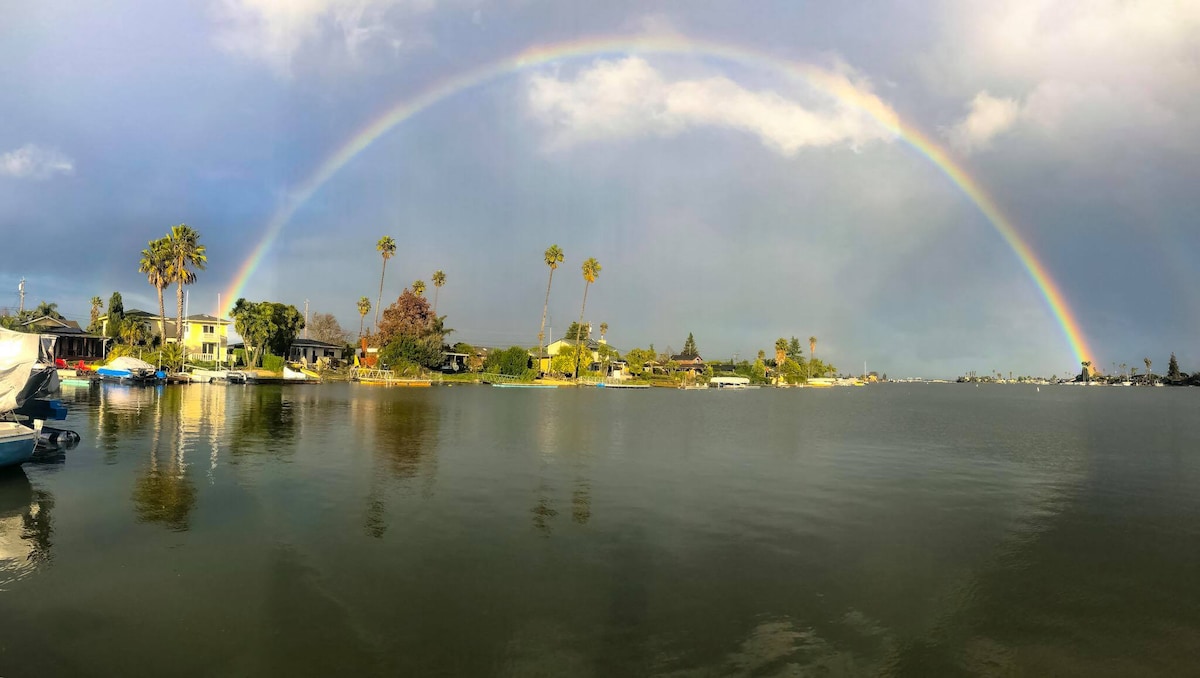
(410, 315)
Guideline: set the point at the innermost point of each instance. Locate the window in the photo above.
(208, 329)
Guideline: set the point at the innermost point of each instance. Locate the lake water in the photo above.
(897, 529)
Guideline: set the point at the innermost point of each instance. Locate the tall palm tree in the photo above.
(781, 347)
(439, 280)
(47, 309)
(97, 304)
(419, 287)
(1149, 373)
(387, 249)
(812, 351)
(364, 307)
(156, 264)
(184, 253)
(591, 271)
(553, 257)
(603, 330)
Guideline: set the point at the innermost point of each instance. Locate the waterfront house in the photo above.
(688, 363)
(312, 351)
(73, 342)
(205, 337)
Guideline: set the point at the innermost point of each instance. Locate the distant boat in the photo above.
(736, 383)
(519, 385)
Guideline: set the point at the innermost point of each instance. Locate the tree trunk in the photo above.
(361, 318)
(579, 330)
(542, 331)
(162, 318)
(179, 323)
(436, 290)
(380, 299)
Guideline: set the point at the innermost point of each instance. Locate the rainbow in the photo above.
(835, 84)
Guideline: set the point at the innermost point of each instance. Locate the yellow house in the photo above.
(205, 337)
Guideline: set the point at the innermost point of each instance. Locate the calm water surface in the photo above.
(339, 530)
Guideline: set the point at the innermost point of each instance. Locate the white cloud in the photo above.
(988, 117)
(274, 31)
(34, 162)
(629, 97)
(1094, 69)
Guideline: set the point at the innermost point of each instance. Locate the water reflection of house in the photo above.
(73, 343)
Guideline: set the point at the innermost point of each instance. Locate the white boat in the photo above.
(729, 382)
(17, 442)
(18, 355)
(293, 375)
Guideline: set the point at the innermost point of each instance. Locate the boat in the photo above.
(130, 370)
(17, 443)
(619, 385)
(22, 391)
(293, 375)
(513, 384)
(729, 382)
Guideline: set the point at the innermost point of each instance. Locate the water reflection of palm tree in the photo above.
(403, 429)
(165, 495)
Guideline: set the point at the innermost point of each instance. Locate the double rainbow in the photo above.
(832, 83)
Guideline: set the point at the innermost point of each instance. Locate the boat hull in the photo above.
(16, 444)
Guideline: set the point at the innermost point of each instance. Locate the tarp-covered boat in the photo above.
(18, 355)
(129, 369)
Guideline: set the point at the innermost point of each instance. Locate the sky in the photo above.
(741, 171)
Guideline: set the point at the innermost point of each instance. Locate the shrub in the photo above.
(272, 363)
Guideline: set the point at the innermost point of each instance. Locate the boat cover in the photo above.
(18, 354)
(130, 363)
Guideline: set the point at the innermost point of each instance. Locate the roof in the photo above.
(682, 358)
(204, 317)
(62, 323)
(313, 343)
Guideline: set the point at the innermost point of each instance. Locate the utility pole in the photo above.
(21, 289)
(306, 318)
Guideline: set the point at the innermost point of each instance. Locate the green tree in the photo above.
(387, 249)
(781, 347)
(513, 361)
(439, 280)
(1085, 374)
(577, 332)
(46, 309)
(185, 254)
(418, 287)
(568, 357)
(364, 307)
(591, 271)
(758, 371)
(1173, 369)
(794, 351)
(266, 326)
(156, 265)
(637, 358)
(689, 346)
(553, 256)
(116, 316)
(603, 330)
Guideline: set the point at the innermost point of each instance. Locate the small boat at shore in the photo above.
(130, 370)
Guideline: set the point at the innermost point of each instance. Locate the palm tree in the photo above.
(781, 347)
(184, 249)
(97, 304)
(553, 257)
(387, 249)
(364, 307)
(603, 330)
(45, 309)
(591, 271)
(156, 264)
(419, 287)
(439, 279)
(1149, 374)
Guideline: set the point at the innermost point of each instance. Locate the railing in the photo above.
(368, 374)
(591, 380)
(494, 378)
